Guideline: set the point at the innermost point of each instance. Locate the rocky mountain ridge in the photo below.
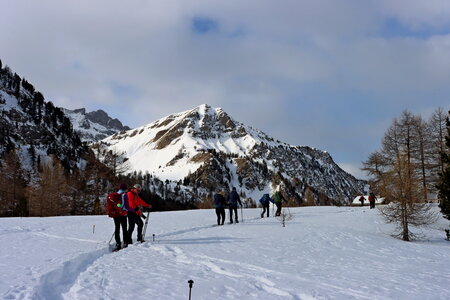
(93, 126)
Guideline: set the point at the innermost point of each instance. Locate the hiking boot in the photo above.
(237, 221)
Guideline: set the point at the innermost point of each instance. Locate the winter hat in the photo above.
(137, 186)
(122, 186)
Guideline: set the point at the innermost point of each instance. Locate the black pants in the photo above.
(265, 208)
(278, 212)
(372, 204)
(220, 212)
(120, 221)
(235, 214)
(134, 219)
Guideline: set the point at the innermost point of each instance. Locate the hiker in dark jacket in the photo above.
(219, 204)
(265, 202)
(278, 199)
(233, 199)
(361, 199)
(372, 199)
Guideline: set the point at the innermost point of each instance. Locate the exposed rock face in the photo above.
(95, 125)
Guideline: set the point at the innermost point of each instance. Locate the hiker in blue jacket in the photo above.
(265, 202)
(219, 204)
(233, 199)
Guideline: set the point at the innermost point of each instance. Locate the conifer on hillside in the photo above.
(444, 183)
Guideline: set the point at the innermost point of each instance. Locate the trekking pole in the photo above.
(145, 226)
(191, 282)
(111, 238)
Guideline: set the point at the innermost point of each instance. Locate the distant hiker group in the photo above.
(232, 200)
(372, 199)
(125, 207)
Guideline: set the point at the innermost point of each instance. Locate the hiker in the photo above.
(135, 213)
(219, 204)
(372, 199)
(361, 199)
(233, 199)
(265, 202)
(278, 200)
(115, 209)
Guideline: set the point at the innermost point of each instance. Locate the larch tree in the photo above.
(396, 174)
(50, 196)
(13, 200)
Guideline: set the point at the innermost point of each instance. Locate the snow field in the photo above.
(323, 253)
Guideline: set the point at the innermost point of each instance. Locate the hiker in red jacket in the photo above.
(135, 213)
(115, 209)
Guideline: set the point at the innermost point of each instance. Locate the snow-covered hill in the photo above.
(322, 253)
(93, 126)
(206, 147)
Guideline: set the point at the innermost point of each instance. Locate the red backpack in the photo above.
(115, 205)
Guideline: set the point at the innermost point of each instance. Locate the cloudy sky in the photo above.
(323, 73)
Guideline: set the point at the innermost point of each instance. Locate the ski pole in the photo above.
(145, 226)
(191, 282)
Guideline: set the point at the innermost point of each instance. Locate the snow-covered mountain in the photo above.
(33, 126)
(205, 147)
(93, 126)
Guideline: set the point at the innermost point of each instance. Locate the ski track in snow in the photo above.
(54, 284)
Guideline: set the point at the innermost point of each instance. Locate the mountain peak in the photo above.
(207, 145)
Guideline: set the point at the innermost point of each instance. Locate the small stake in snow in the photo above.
(191, 282)
(153, 237)
(93, 229)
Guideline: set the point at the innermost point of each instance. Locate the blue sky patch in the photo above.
(122, 90)
(204, 25)
(393, 28)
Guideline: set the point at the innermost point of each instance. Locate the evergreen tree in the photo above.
(444, 183)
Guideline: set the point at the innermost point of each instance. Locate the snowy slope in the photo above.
(34, 127)
(323, 253)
